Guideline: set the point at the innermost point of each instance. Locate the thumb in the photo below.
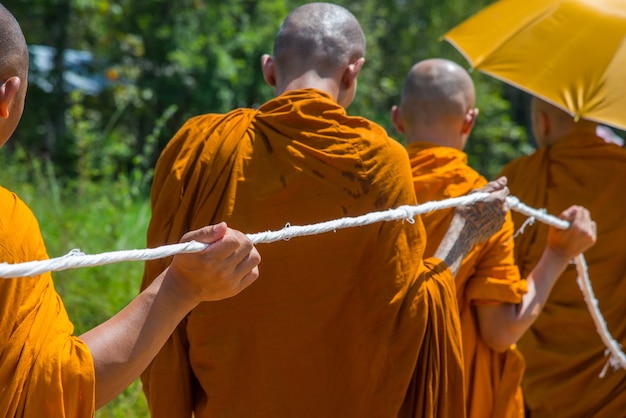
(569, 214)
(502, 181)
(208, 234)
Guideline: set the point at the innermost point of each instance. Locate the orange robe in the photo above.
(488, 275)
(346, 324)
(44, 370)
(563, 352)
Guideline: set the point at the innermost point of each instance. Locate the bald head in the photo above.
(319, 37)
(436, 90)
(13, 74)
(437, 104)
(13, 50)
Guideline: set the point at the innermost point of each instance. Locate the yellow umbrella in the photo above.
(571, 53)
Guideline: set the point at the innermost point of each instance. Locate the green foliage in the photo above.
(492, 144)
(203, 56)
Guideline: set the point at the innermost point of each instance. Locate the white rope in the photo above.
(76, 259)
(406, 212)
(538, 214)
(617, 358)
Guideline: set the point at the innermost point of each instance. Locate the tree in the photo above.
(170, 60)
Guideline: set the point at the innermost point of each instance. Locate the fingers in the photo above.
(500, 194)
(497, 198)
(243, 255)
(495, 185)
(501, 181)
(251, 269)
(578, 217)
(583, 221)
(570, 213)
(580, 236)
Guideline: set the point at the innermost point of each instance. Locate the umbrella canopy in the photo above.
(571, 53)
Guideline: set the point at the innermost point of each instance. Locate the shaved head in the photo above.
(13, 74)
(436, 90)
(550, 123)
(559, 115)
(13, 50)
(318, 36)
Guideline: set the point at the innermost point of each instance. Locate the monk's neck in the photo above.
(310, 81)
(441, 138)
(585, 129)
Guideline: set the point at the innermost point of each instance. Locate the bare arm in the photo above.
(123, 346)
(502, 325)
(473, 224)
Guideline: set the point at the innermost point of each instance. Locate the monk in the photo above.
(47, 371)
(436, 115)
(354, 323)
(564, 354)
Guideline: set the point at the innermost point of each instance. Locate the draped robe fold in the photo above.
(563, 352)
(44, 370)
(352, 323)
(488, 275)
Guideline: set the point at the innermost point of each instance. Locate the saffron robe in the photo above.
(488, 275)
(352, 323)
(563, 352)
(44, 370)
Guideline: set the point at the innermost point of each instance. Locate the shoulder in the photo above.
(12, 208)
(381, 148)
(517, 163)
(197, 130)
(519, 166)
(200, 126)
(20, 236)
(375, 136)
(206, 121)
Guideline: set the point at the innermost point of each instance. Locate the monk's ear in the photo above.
(269, 71)
(8, 89)
(396, 119)
(351, 73)
(469, 120)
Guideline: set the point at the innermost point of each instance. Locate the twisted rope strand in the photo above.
(617, 358)
(405, 212)
(538, 214)
(75, 259)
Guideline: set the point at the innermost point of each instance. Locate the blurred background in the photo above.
(112, 80)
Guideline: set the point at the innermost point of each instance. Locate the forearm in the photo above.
(123, 346)
(504, 324)
(455, 245)
(540, 282)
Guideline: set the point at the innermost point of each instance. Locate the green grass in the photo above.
(94, 217)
